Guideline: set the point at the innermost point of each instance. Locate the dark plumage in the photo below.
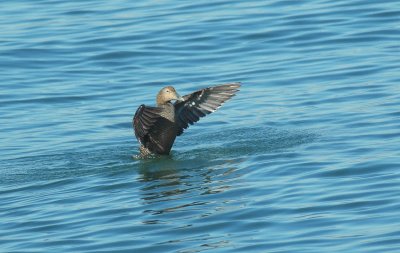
(157, 127)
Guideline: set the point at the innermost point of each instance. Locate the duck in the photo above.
(156, 127)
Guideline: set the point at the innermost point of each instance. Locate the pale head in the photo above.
(167, 94)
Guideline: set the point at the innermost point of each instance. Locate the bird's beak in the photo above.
(179, 98)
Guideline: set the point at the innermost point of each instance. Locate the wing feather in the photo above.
(200, 103)
(143, 121)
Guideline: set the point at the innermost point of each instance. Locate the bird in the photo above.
(157, 127)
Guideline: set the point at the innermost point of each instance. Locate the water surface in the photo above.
(304, 159)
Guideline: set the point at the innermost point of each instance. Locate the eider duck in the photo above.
(157, 127)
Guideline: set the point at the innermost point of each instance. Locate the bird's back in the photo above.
(160, 134)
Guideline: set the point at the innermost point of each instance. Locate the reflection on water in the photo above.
(190, 181)
(202, 165)
(167, 179)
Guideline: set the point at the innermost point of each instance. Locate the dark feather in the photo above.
(200, 103)
(144, 119)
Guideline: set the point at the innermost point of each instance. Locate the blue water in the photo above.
(304, 159)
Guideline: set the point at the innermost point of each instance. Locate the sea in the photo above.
(305, 158)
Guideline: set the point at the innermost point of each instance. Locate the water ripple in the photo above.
(304, 158)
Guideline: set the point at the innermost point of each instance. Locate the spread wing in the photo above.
(143, 121)
(202, 102)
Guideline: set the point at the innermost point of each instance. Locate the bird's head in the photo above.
(167, 94)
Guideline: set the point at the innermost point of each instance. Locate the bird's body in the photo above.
(157, 127)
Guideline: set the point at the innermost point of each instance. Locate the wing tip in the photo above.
(233, 87)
